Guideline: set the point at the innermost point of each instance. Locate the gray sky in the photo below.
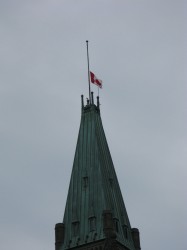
(138, 49)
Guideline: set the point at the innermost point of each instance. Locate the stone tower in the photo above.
(95, 216)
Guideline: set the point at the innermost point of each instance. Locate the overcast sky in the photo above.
(138, 48)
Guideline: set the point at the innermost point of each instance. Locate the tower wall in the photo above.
(95, 216)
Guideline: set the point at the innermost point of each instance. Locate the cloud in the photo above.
(137, 49)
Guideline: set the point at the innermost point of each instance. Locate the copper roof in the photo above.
(93, 187)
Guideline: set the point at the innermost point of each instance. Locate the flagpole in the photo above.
(88, 72)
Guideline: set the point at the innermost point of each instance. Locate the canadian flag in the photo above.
(95, 80)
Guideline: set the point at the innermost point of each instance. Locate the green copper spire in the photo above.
(95, 213)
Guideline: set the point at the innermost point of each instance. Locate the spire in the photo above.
(95, 212)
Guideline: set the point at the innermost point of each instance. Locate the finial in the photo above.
(98, 104)
(82, 101)
(92, 101)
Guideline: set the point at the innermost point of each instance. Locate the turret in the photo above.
(136, 238)
(59, 235)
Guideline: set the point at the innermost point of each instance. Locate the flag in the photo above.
(95, 80)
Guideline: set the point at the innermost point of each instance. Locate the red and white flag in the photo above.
(95, 80)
